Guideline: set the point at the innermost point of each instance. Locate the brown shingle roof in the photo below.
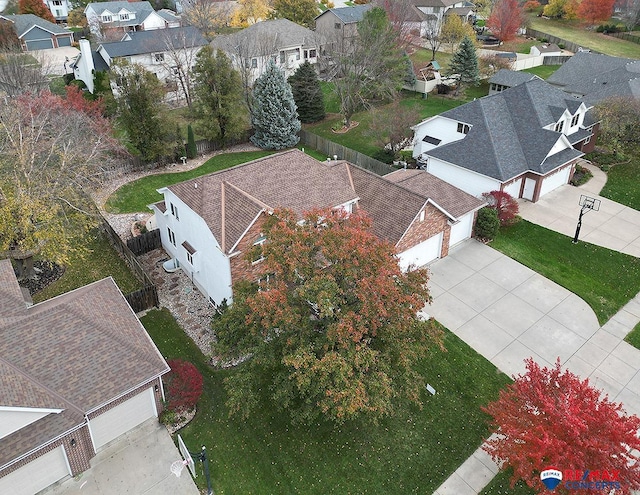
(76, 352)
(290, 179)
(455, 201)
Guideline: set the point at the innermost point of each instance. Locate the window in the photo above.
(313, 54)
(463, 128)
(106, 18)
(306, 54)
(586, 141)
(254, 63)
(282, 57)
(257, 249)
(124, 17)
(58, 13)
(190, 251)
(57, 3)
(422, 216)
(337, 25)
(174, 70)
(297, 53)
(174, 211)
(559, 126)
(172, 236)
(158, 57)
(574, 120)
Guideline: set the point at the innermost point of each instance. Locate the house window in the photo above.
(254, 63)
(559, 126)
(337, 25)
(57, 3)
(463, 128)
(586, 141)
(264, 280)
(257, 256)
(297, 53)
(174, 70)
(422, 216)
(174, 211)
(106, 18)
(313, 53)
(574, 120)
(172, 236)
(190, 251)
(124, 17)
(158, 58)
(58, 13)
(282, 57)
(306, 54)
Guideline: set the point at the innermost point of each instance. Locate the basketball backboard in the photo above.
(186, 456)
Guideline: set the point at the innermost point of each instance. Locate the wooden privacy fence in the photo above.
(144, 243)
(633, 38)
(332, 149)
(142, 299)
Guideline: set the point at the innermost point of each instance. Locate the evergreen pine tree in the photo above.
(192, 151)
(307, 93)
(273, 114)
(410, 78)
(180, 149)
(465, 63)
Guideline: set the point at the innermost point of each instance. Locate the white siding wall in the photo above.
(154, 21)
(555, 180)
(470, 182)
(437, 127)
(210, 271)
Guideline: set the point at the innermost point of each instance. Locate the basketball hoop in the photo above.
(177, 467)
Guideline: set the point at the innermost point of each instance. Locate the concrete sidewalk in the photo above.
(615, 226)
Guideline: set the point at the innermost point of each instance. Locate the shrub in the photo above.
(531, 5)
(384, 155)
(183, 385)
(505, 205)
(581, 176)
(487, 223)
(192, 151)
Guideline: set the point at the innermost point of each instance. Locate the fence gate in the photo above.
(144, 243)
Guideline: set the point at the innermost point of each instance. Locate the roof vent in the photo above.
(195, 185)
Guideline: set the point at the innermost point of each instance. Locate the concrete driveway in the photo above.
(507, 312)
(137, 464)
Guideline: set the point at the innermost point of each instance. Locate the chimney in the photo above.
(86, 68)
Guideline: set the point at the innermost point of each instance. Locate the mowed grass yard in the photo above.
(573, 31)
(135, 196)
(623, 177)
(605, 279)
(413, 452)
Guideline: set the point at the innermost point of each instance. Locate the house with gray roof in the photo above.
(212, 224)
(36, 33)
(506, 78)
(107, 20)
(288, 44)
(76, 372)
(524, 141)
(595, 77)
(339, 26)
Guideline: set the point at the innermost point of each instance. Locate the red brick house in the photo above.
(210, 223)
(76, 372)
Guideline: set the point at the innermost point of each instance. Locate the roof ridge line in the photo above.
(260, 203)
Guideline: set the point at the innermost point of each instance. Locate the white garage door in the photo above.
(461, 230)
(555, 180)
(37, 475)
(513, 189)
(122, 418)
(422, 253)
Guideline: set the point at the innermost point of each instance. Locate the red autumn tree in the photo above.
(551, 418)
(505, 19)
(36, 7)
(183, 385)
(505, 204)
(333, 330)
(593, 11)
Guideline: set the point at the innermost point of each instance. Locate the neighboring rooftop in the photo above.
(349, 15)
(511, 78)
(24, 22)
(157, 40)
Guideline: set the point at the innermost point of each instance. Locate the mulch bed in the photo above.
(47, 272)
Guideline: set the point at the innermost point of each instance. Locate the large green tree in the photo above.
(219, 103)
(141, 112)
(301, 12)
(331, 331)
(371, 67)
(465, 63)
(273, 113)
(619, 118)
(307, 93)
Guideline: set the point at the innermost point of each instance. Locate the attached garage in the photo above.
(39, 44)
(63, 41)
(555, 180)
(461, 230)
(513, 189)
(122, 418)
(37, 475)
(422, 253)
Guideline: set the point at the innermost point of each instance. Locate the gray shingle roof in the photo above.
(73, 352)
(23, 22)
(597, 76)
(507, 137)
(511, 78)
(142, 9)
(271, 35)
(158, 40)
(349, 15)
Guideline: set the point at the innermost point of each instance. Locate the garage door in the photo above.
(461, 230)
(37, 475)
(40, 44)
(122, 418)
(513, 189)
(555, 180)
(64, 41)
(422, 253)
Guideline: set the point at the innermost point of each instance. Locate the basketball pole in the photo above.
(582, 212)
(202, 457)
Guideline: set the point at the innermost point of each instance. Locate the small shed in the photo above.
(546, 49)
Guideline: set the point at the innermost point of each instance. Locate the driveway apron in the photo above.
(507, 312)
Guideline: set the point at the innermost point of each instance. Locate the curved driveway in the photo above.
(507, 312)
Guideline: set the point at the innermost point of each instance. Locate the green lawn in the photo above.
(135, 196)
(542, 71)
(500, 486)
(634, 337)
(102, 261)
(605, 279)
(572, 31)
(622, 184)
(412, 453)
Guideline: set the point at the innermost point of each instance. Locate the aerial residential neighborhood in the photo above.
(319, 247)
